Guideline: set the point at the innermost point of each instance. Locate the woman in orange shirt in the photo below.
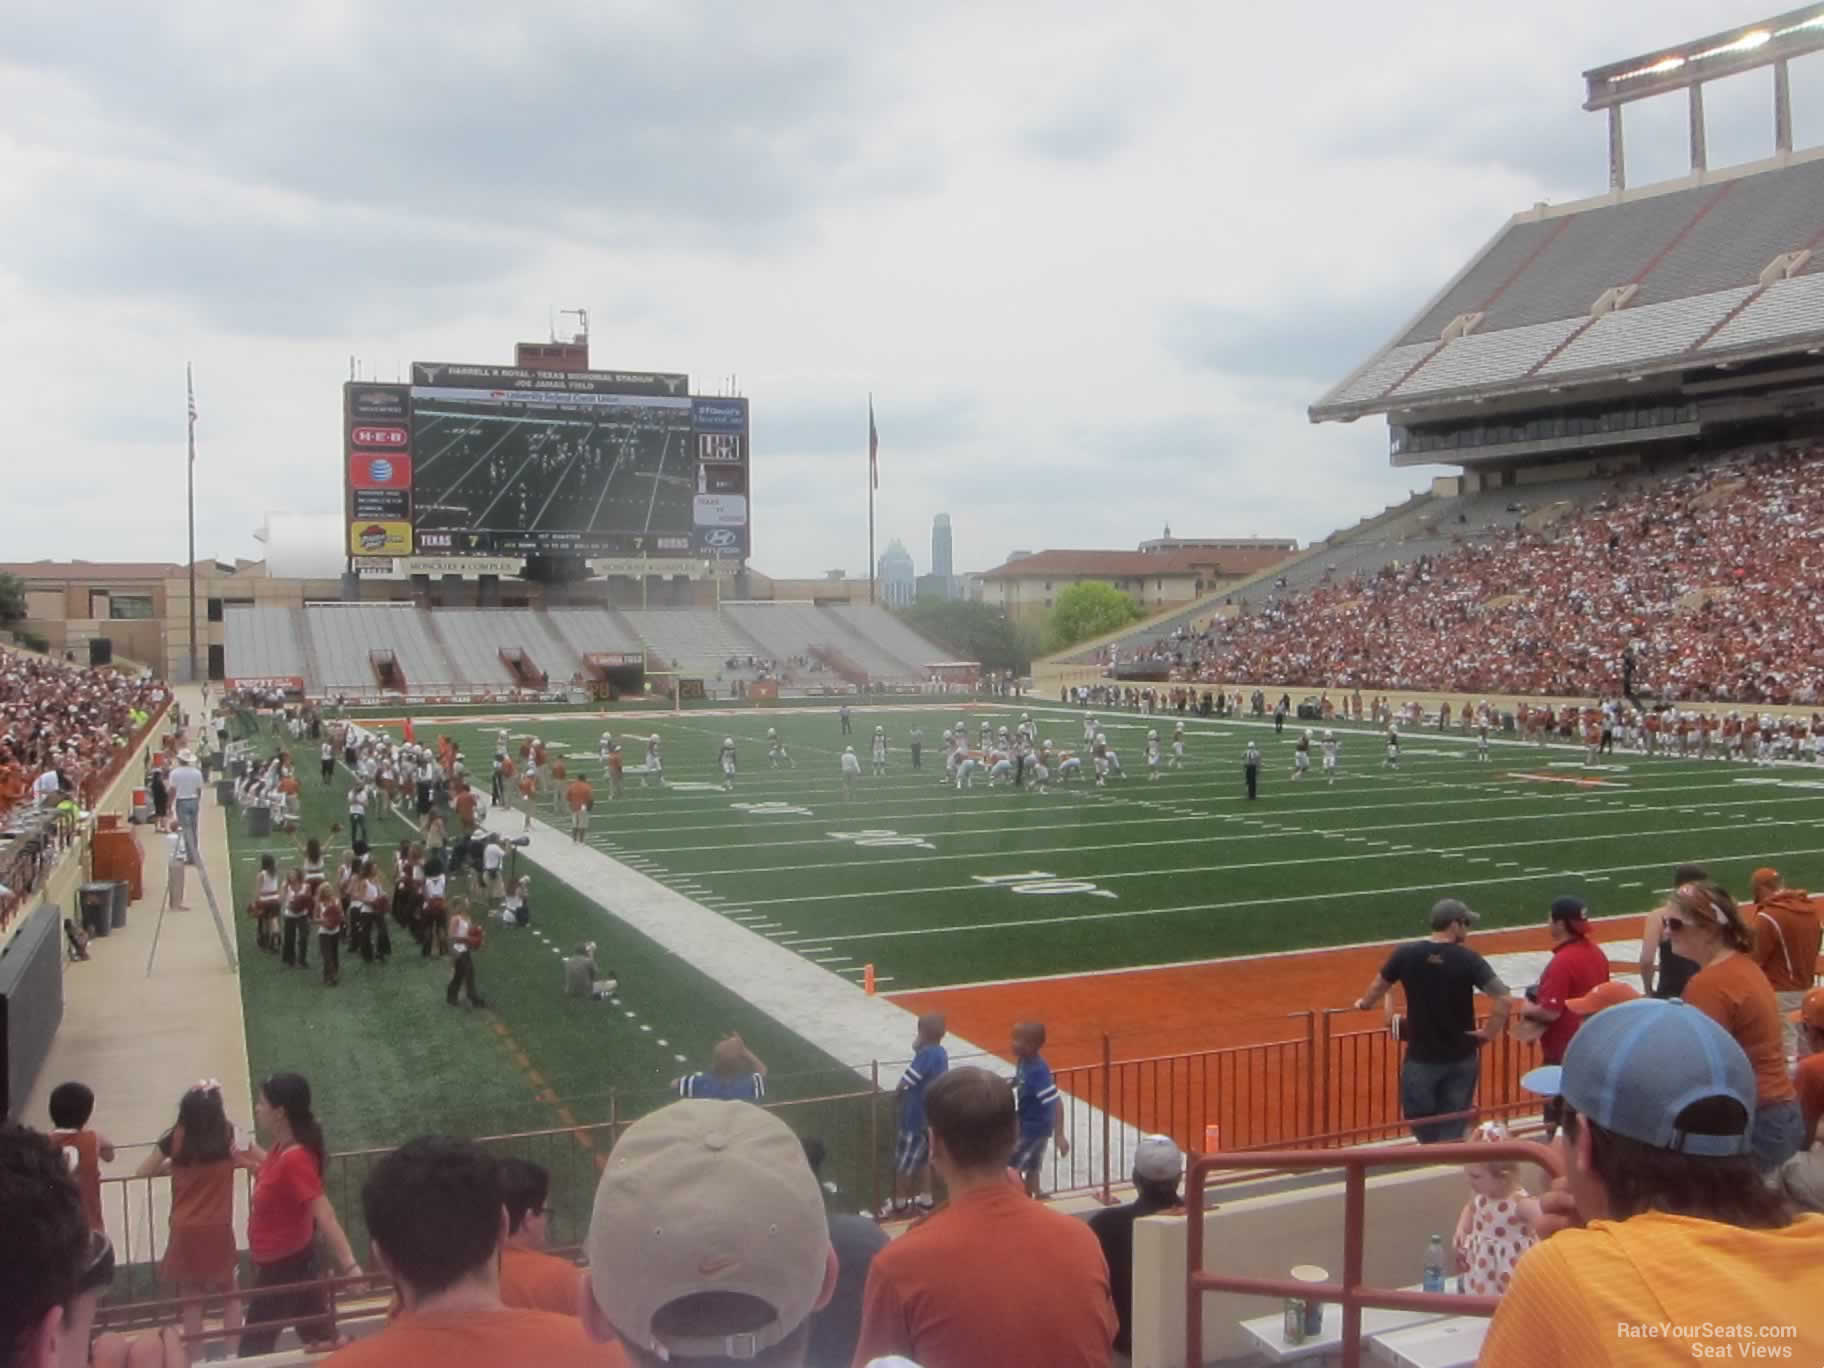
(1731, 990)
(197, 1154)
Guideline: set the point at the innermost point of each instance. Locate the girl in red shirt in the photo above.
(289, 1210)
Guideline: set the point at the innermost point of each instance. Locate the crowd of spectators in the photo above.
(1700, 577)
(67, 729)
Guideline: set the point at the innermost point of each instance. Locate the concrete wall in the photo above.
(1268, 1236)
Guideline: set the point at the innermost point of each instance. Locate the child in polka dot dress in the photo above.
(1496, 1226)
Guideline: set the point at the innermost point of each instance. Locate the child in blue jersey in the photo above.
(912, 1152)
(1041, 1110)
(736, 1074)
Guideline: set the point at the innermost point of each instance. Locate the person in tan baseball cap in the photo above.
(708, 1240)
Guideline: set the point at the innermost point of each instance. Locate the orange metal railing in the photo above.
(1351, 1292)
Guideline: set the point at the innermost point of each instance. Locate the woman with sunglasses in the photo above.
(1731, 990)
(289, 1211)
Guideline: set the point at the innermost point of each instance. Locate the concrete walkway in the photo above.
(140, 1041)
(823, 1008)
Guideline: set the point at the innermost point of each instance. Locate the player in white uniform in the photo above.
(1177, 761)
(1041, 767)
(880, 750)
(1329, 756)
(1393, 747)
(1113, 766)
(984, 735)
(775, 750)
(1000, 768)
(1069, 766)
(851, 771)
(1153, 755)
(604, 746)
(1089, 729)
(966, 767)
(1301, 755)
(1482, 737)
(655, 767)
(1026, 727)
(727, 760)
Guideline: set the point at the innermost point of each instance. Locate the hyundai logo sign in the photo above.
(719, 536)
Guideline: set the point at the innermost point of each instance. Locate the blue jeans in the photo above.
(186, 821)
(1777, 1133)
(1434, 1090)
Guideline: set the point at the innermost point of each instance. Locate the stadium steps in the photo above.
(434, 631)
(898, 667)
(313, 668)
(841, 665)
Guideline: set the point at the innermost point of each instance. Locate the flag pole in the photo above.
(190, 491)
(873, 480)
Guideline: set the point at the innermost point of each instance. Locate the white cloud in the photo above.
(1092, 263)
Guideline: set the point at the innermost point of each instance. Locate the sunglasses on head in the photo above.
(97, 1269)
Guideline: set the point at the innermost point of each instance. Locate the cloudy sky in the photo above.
(1092, 263)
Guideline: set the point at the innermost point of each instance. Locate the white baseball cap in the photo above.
(1158, 1159)
(707, 1196)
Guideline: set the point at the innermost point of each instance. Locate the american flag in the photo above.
(873, 445)
(190, 394)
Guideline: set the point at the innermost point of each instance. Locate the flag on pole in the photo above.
(190, 394)
(873, 446)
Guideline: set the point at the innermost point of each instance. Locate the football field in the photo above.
(936, 887)
(1169, 916)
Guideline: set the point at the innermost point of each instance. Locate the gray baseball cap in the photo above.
(1634, 1067)
(1447, 911)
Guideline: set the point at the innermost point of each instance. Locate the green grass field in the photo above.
(936, 887)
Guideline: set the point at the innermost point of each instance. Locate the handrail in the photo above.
(1354, 1296)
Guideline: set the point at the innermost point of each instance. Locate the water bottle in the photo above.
(1434, 1265)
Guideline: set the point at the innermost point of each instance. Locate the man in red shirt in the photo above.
(991, 1276)
(1577, 965)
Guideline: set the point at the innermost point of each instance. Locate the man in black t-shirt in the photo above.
(1441, 976)
(1158, 1169)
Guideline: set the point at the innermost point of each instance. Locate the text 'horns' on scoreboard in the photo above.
(444, 375)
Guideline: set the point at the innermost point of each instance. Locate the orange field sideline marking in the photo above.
(1202, 1005)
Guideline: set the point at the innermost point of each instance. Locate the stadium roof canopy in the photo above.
(1139, 564)
(1706, 271)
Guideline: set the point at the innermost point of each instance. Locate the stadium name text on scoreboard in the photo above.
(503, 461)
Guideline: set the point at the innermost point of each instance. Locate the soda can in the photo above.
(1314, 1319)
(1295, 1320)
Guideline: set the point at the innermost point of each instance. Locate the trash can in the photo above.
(117, 911)
(95, 907)
(224, 793)
(237, 767)
(259, 820)
(142, 806)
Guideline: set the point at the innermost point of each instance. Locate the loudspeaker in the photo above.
(101, 650)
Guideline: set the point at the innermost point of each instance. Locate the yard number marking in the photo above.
(881, 838)
(773, 809)
(1038, 881)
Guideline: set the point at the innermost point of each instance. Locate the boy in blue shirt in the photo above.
(1040, 1109)
(912, 1152)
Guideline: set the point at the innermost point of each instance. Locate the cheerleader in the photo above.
(299, 901)
(329, 933)
(266, 903)
(435, 920)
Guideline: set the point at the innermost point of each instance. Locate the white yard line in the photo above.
(821, 1006)
(1341, 897)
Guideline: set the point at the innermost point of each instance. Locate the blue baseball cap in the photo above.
(1632, 1068)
